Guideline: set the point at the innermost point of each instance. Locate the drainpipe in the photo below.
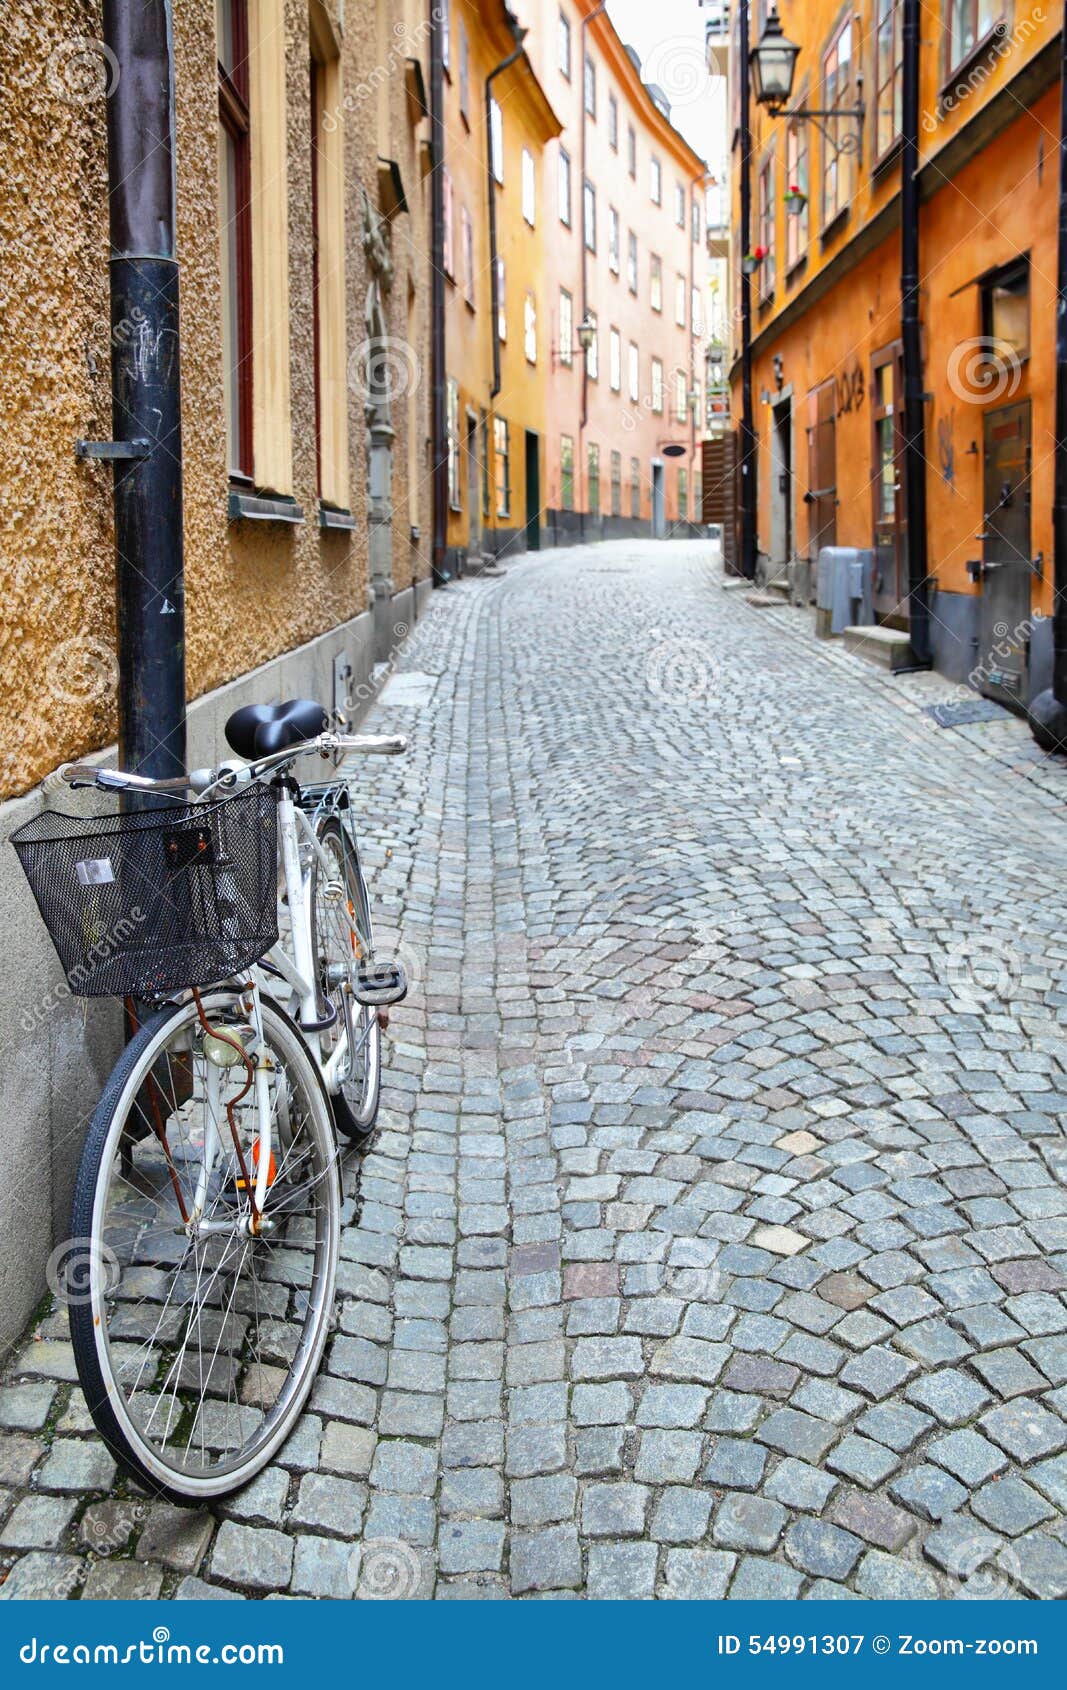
(911, 339)
(145, 390)
(438, 399)
(580, 471)
(749, 464)
(520, 35)
(699, 376)
(1048, 712)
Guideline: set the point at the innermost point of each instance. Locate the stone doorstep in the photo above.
(887, 647)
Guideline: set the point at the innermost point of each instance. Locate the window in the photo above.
(888, 77)
(449, 250)
(235, 226)
(613, 240)
(631, 149)
(464, 75)
(529, 187)
(452, 409)
(655, 181)
(502, 456)
(615, 360)
(797, 222)
(467, 237)
(566, 327)
(838, 92)
(529, 340)
(484, 430)
(631, 261)
(679, 205)
(698, 312)
(969, 22)
(1006, 314)
(616, 483)
(592, 357)
(501, 301)
(680, 286)
(446, 35)
(696, 223)
(496, 139)
(589, 86)
(681, 396)
(698, 497)
(564, 187)
(767, 219)
(655, 282)
(589, 216)
(635, 487)
(328, 272)
(683, 495)
(593, 478)
(657, 386)
(564, 46)
(566, 472)
(635, 373)
(613, 123)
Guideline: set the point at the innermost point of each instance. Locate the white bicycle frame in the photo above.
(297, 969)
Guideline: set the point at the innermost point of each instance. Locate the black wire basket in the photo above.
(148, 903)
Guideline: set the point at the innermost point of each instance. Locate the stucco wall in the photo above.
(252, 590)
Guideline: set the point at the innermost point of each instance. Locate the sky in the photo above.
(669, 36)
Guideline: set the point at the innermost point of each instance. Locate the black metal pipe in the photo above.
(914, 452)
(494, 281)
(146, 387)
(749, 443)
(438, 401)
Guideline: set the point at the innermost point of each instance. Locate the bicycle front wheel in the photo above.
(198, 1319)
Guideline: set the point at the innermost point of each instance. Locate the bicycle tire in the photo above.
(89, 1321)
(356, 1102)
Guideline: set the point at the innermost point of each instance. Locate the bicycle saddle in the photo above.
(257, 730)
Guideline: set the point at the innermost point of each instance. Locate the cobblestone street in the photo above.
(712, 1241)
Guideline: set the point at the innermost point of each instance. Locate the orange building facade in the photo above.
(496, 340)
(625, 251)
(825, 265)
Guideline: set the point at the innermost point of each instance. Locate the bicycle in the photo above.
(205, 1226)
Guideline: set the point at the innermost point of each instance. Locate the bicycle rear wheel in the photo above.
(343, 941)
(197, 1340)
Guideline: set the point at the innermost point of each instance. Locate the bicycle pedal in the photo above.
(383, 983)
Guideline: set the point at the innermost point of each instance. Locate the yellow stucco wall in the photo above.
(252, 590)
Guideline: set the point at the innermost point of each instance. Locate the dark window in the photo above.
(613, 123)
(1006, 313)
(235, 219)
(590, 86)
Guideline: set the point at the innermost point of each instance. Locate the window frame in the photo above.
(886, 11)
(614, 240)
(592, 357)
(631, 151)
(633, 373)
(635, 489)
(592, 477)
(529, 326)
(502, 460)
(655, 386)
(655, 179)
(501, 301)
(798, 170)
(1018, 269)
(566, 472)
(616, 482)
(529, 188)
(455, 491)
(566, 327)
(496, 140)
(464, 74)
(614, 359)
(679, 204)
(655, 281)
(466, 239)
(955, 62)
(234, 117)
(613, 122)
(564, 180)
(589, 86)
(767, 220)
(564, 44)
(837, 94)
(632, 267)
(589, 215)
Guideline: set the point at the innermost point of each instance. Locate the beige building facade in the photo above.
(303, 214)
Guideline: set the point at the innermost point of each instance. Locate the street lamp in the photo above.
(773, 62)
(586, 333)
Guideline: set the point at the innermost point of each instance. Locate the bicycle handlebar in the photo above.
(235, 772)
